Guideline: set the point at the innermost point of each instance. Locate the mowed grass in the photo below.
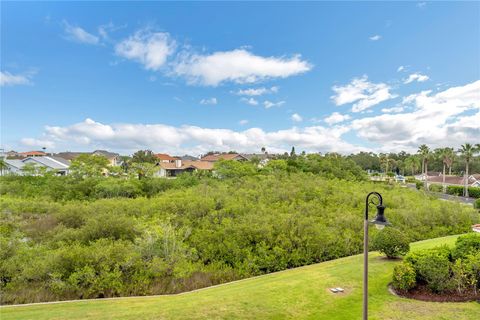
(300, 293)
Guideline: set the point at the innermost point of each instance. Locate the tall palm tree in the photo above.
(386, 161)
(424, 152)
(466, 151)
(446, 156)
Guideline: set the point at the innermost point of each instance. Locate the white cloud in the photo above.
(336, 118)
(393, 110)
(211, 101)
(416, 77)
(149, 48)
(9, 79)
(239, 66)
(269, 104)
(37, 143)
(375, 37)
(401, 68)
(449, 117)
(127, 138)
(296, 117)
(78, 34)
(250, 101)
(243, 122)
(256, 91)
(363, 92)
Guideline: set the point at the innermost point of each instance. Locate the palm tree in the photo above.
(467, 150)
(412, 163)
(446, 155)
(424, 152)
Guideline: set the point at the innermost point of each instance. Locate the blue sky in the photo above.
(193, 77)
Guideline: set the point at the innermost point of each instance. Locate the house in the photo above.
(173, 169)
(32, 154)
(165, 158)
(50, 163)
(12, 155)
(472, 181)
(429, 175)
(224, 156)
(114, 159)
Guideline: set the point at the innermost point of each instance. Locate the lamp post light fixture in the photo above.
(380, 222)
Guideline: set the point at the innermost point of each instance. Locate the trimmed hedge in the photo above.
(473, 192)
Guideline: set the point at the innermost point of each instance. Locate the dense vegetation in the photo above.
(442, 269)
(60, 240)
(299, 293)
(88, 182)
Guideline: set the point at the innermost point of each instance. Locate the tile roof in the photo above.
(223, 156)
(69, 155)
(164, 156)
(33, 153)
(106, 154)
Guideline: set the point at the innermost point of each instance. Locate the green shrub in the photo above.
(435, 269)
(419, 184)
(404, 277)
(391, 242)
(466, 244)
(455, 190)
(114, 188)
(477, 204)
(435, 188)
(474, 192)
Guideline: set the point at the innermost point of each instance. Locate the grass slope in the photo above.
(300, 293)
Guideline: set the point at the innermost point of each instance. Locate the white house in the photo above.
(58, 165)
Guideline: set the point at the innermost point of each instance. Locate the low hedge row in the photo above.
(473, 192)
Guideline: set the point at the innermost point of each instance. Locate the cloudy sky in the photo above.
(193, 77)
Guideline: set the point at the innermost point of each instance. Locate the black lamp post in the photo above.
(380, 222)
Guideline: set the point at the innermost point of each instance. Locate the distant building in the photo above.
(32, 154)
(223, 156)
(173, 169)
(472, 181)
(165, 158)
(114, 159)
(51, 163)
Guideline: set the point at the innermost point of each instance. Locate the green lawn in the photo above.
(300, 293)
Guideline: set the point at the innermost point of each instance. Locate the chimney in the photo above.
(178, 163)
